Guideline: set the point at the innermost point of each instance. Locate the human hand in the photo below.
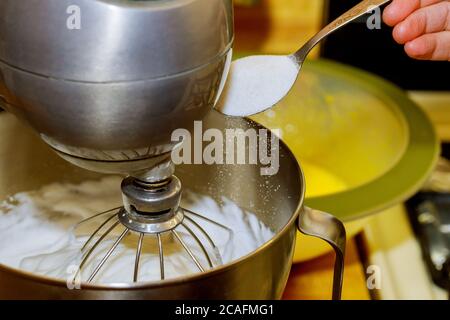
(422, 26)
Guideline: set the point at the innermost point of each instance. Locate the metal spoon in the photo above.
(257, 83)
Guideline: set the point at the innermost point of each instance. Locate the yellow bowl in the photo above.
(363, 145)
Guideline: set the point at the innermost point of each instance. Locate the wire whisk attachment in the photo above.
(164, 219)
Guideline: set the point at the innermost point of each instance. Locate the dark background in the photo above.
(377, 52)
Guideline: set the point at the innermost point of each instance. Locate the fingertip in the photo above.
(389, 16)
(418, 49)
(398, 10)
(401, 33)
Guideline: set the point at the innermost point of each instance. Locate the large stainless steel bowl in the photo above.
(26, 164)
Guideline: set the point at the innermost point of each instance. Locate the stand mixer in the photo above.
(107, 96)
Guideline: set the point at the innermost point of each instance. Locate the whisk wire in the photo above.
(161, 256)
(96, 232)
(207, 219)
(138, 257)
(95, 216)
(95, 245)
(200, 267)
(205, 252)
(108, 254)
(199, 227)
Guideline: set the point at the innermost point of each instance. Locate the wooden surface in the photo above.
(437, 107)
(277, 26)
(312, 280)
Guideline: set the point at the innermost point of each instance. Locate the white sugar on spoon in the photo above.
(257, 83)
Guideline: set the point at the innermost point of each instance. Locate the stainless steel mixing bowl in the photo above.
(26, 164)
(114, 87)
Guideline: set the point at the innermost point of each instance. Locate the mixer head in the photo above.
(108, 93)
